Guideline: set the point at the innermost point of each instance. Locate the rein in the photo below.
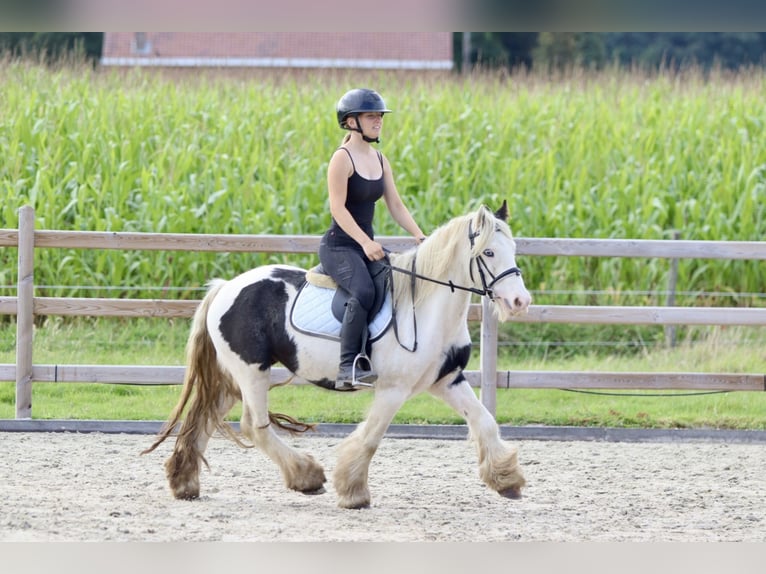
(449, 283)
(485, 291)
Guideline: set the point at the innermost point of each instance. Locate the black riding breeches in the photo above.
(350, 269)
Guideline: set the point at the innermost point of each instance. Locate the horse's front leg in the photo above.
(356, 450)
(498, 461)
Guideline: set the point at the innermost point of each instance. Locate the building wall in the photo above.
(394, 50)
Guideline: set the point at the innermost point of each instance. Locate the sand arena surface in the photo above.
(96, 487)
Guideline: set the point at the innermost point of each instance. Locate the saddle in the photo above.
(320, 304)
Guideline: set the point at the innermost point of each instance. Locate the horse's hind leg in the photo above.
(300, 471)
(498, 461)
(356, 450)
(183, 466)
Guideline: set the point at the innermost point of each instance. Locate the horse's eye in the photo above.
(489, 253)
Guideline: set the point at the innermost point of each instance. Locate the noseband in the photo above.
(482, 266)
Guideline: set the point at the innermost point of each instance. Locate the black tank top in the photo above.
(361, 196)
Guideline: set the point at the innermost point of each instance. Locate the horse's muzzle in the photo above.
(517, 305)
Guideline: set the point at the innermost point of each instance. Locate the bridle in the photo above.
(482, 267)
(485, 291)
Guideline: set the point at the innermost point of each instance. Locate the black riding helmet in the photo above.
(357, 101)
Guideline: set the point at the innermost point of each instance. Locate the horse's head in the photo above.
(493, 262)
(477, 247)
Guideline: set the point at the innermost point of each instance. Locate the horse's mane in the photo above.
(445, 255)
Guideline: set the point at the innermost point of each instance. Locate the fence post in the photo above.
(670, 301)
(24, 312)
(488, 357)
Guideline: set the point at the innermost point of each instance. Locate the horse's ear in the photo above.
(502, 213)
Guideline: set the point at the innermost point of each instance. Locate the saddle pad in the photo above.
(312, 314)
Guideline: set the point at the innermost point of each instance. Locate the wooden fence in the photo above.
(25, 306)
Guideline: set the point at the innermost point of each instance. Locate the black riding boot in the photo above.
(353, 335)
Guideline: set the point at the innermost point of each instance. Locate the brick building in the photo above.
(373, 50)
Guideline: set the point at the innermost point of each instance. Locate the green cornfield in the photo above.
(614, 154)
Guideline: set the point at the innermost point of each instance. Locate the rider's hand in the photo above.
(373, 250)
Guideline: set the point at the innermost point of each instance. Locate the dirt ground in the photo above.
(96, 487)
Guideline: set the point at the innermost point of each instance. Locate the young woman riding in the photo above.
(357, 176)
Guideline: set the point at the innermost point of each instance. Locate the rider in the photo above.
(357, 176)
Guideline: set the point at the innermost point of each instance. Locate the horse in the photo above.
(241, 329)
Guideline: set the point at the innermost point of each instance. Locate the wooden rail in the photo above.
(25, 306)
(147, 375)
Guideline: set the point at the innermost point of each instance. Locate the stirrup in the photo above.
(365, 380)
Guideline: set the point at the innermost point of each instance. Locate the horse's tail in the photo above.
(205, 384)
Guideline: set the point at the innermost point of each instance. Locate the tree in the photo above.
(561, 50)
(730, 50)
(519, 46)
(52, 46)
(648, 50)
(510, 50)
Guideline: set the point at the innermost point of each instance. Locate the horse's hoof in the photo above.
(513, 493)
(188, 491)
(186, 495)
(315, 491)
(351, 505)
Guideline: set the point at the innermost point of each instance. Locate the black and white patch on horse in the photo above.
(253, 326)
(242, 328)
(455, 361)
